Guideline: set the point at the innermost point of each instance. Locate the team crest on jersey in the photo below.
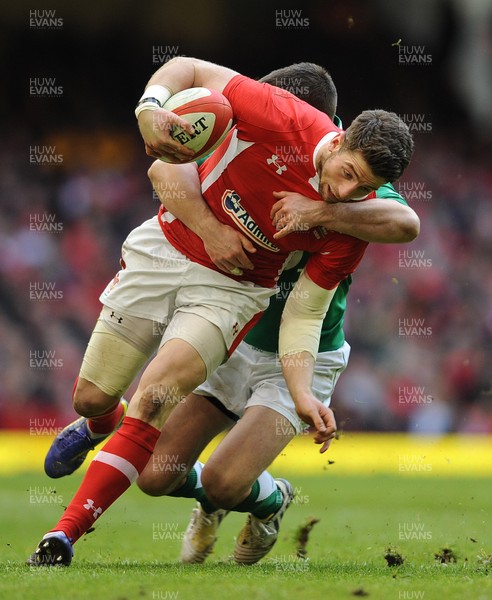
(231, 202)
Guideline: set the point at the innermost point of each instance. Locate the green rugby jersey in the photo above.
(264, 335)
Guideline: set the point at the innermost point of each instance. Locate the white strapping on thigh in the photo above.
(110, 362)
(143, 334)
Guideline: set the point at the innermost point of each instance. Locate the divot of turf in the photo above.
(302, 536)
(446, 556)
(393, 558)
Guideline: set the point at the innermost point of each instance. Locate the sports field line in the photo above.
(354, 453)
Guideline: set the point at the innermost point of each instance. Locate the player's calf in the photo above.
(223, 488)
(162, 477)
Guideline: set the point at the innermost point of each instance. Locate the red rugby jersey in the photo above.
(272, 147)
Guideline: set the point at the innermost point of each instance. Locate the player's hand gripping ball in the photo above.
(208, 111)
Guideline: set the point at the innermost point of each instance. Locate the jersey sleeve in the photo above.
(338, 259)
(262, 110)
(389, 192)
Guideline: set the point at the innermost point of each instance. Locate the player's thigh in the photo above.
(231, 382)
(186, 433)
(168, 378)
(192, 348)
(248, 449)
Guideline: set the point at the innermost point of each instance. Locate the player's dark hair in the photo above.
(384, 140)
(309, 82)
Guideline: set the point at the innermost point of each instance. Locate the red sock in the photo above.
(107, 422)
(110, 474)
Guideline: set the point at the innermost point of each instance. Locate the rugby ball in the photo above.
(208, 111)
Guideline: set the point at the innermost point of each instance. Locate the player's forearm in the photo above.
(177, 74)
(299, 335)
(183, 72)
(178, 188)
(381, 219)
(155, 122)
(377, 220)
(302, 318)
(298, 372)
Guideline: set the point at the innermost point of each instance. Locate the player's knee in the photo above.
(89, 400)
(147, 484)
(222, 488)
(156, 482)
(157, 401)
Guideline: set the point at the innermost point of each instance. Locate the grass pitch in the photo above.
(133, 551)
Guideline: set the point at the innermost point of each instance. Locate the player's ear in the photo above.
(336, 141)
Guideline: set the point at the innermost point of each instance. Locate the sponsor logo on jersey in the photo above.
(231, 202)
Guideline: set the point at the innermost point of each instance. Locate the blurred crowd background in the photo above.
(73, 184)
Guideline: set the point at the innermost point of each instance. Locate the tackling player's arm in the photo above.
(302, 320)
(299, 335)
(225, 245)
(155, 124)
(378, 220)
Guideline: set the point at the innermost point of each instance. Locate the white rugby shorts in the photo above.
(253, 377)
(159, 282)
